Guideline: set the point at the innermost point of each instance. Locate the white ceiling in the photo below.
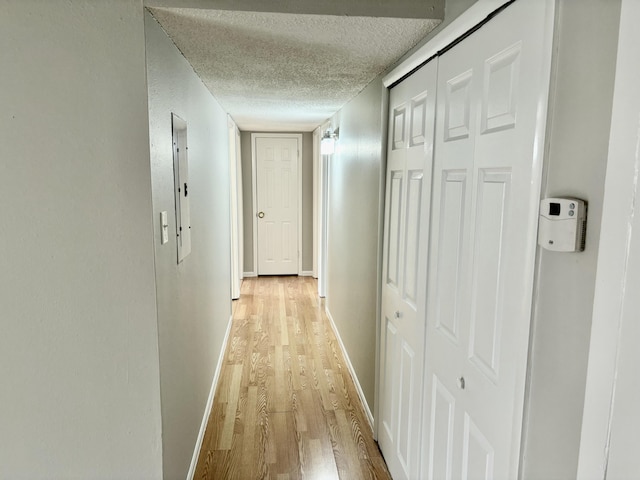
(281, 71)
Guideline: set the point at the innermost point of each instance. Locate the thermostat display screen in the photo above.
(554, 209)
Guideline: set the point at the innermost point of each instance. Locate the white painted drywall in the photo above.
(353, 227)
(578, 138)
(79, 382)
(307, 200)
(194, 297)
(611, 414)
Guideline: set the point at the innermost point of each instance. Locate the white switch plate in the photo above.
(164, 228)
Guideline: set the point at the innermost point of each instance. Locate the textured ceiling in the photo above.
(282, 71)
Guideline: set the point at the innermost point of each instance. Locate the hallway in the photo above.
(286, 406)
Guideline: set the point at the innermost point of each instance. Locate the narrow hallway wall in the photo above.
(355, 172)
(79, 394)
(578, 140)
(194, 297)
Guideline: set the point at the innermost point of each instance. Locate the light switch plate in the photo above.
(164, 228)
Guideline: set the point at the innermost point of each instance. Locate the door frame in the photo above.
(317, 186)
(237, 248)
(254, 189)
(386, 91)
(321, 181)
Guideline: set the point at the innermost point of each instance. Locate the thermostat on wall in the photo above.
(563, 224)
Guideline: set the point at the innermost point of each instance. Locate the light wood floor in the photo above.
(286, 406)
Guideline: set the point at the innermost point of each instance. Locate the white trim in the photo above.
(323, 205)
(380, 252)
(461, 25)
(207, 410)
(300, 146)
(306, 273)
(254, 188)
(363, 400)
(236, 206)
(250, 274)
(316, 194)
(240, 203)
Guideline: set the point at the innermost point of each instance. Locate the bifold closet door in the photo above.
(491, 115)
(406, 241)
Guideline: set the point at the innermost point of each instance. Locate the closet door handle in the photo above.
(461, 383)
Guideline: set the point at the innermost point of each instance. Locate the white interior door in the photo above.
(277, 204)
(408, 193)
(492, 97)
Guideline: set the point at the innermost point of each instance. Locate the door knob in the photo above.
(260, 214)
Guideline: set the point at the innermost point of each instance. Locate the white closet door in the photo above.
(492, 97)
(408, 194)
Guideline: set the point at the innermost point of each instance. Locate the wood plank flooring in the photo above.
(285, 406)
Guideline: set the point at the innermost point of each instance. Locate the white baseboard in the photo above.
(207, 410)
(363, 400)
(306, 273)
(249, 274)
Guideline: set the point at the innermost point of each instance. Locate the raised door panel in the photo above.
(441, 435)
(457, 110)
(399, 135)
(500, 90)
(394, 211)
(477, 454)
(272, 242)
(449, 258)
(487, 316)
(406, 450)
(419, 123)
(412, 239)
(390, 353)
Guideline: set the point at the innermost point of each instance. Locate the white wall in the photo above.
(609, 440)
(194, 297)
(355, 172)
(578, 139)
(79, 384)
